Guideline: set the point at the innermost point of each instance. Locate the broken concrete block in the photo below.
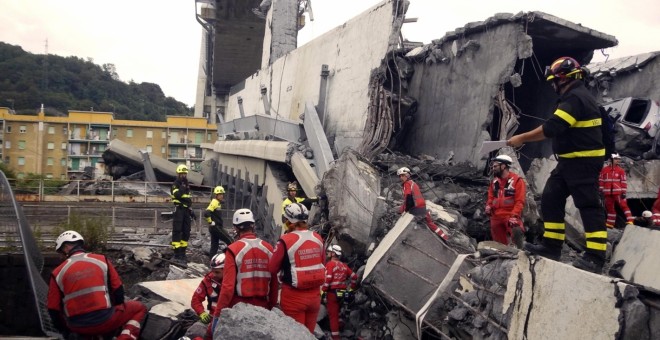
(244, 321)
(142, 254)
(459, 199)
(639, 247)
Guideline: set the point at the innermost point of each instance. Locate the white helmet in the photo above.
(218, 261)
(67, 236)
(647, 214)
(504, 159)
(335, 249)
(616, 156)
(402, 171)
(296, 212)
(242, 215)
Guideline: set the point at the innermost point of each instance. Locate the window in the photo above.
(129, 133)
(22, 129)
(64, 130)
(21, 160)
(63, 162)
(208, 136)
(150, 134)
(51, 146)
(150, 149)
(20, 175)
(63, 146)
(63, 177)
(21, 145)
(162, 150)
(7, 144)
(50, 161)
(8, 128)
(51, 130)
(163, 135)
(49, 176)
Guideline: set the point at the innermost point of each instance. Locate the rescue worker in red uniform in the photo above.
(299, 254)
(656, 210)
(612, 183)
(506, 200)
(246, 277)
(181, 222)
(86, 295)
(214, 219)
(577, 140)
(338, 278)
(414, 203)
(209, 290)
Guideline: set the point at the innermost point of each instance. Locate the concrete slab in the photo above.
(178, 291)
(640, 248)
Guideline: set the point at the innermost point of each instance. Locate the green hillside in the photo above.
(70, 83)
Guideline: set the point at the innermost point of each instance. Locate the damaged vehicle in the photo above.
(638, 125)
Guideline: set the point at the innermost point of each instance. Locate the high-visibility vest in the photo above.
(83, 281)
(612, 180)
(412, 188)
(252, 276)
(338, 275)
(305, 253)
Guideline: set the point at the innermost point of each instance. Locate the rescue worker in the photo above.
(214, 218)
(578, 143)
(209, 290)
(292, 197)
(246, 276)
(612, 183)
(646, 220)
(339, 281)
(656, 210)
(299, 254)
(86, 295)
(414, 203)
(183, 213)
(506, 199)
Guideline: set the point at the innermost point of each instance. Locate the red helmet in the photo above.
(564, 67)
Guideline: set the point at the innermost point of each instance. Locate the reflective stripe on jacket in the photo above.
(208, 290)
(612, 180)
(338, 275)
(506, 196)
(410, 188)
(252, 276)
(305, 254)
(83, 281)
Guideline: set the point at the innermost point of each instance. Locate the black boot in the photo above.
(590, 262)
(552, 253)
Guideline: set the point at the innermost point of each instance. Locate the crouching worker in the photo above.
(414, 203)
(209, 290)
(86, 295)
(246, 277)
(339, 281)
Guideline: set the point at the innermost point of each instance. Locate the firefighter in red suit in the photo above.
(86, 295)
(612, 183)
(656, 210)
(506, 199)
(209, 290)
(299, 255)
(246, 277)
(414, 203)
(338, 278)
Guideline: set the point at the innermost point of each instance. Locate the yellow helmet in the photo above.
(182, 169)
(292, 187)
(219, 190)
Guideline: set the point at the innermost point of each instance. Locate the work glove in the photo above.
(205, 317)
(514, 222)
(623, 196)
(488, 210)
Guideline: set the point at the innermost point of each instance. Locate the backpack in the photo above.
(608, 130)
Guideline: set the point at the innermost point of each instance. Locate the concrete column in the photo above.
(284, 29)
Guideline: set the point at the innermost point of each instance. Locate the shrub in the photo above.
(93, 229)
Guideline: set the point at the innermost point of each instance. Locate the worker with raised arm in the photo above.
(208, 290)
(340, 280)
(612, 183)
(213, 217)
(506, 200)
(299, 255)
(181, 222)
(577, 140)
(86, 295)
(414, 203)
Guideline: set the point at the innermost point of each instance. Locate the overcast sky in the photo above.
(159, 41)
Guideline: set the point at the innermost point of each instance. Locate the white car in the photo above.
(640, 113)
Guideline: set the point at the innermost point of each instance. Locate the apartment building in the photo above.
(60, 147)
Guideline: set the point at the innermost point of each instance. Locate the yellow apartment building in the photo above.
(59, 147)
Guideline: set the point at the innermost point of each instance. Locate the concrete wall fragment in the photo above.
(638, 248)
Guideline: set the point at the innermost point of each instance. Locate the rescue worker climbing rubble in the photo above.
(577, 140)
(506, 200)
(209, 290)
(246, 277)
(612, 183)
(181, 223)
(299, 254)
(213, 217)
(292, 197)
(86, 294)
(339, 282)
(414, 203)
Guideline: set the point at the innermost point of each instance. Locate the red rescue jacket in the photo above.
(656, 210)
(338, 276)
(209, 290)
(612, 180)
(506, 196)
(303, 264)
(412, 196)
(82, 284)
